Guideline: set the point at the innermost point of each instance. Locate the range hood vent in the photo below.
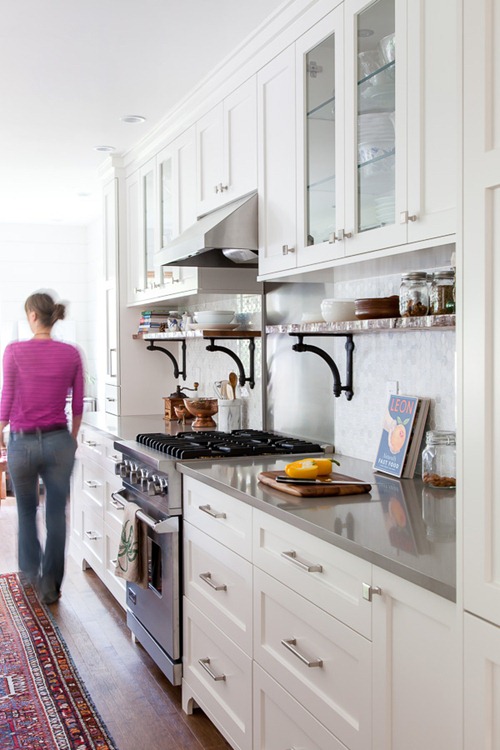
(226, 237)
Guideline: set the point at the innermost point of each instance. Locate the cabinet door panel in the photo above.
(209, 143)
(240, 131)
(336, 691)
(432, 118)
(482, 684)
(276, 163)
(415, 667)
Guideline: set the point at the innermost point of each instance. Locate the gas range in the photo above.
(148, 465)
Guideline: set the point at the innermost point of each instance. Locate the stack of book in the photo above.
(152, 321)
(402, 433)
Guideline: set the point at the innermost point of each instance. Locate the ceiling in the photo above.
(72, 68)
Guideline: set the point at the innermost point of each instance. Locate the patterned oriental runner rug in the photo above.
(44, 705)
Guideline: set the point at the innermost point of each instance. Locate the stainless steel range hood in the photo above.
(225, 237)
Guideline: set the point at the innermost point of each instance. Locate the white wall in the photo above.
(55, 258)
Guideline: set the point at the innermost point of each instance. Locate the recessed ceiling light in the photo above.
(104, 148)
(132, 119)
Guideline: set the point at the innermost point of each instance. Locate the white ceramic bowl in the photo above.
(335, 310)
(214, 317)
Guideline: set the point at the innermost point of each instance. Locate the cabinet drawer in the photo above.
(219, 582)
(111, 457)
(218, 675)
(112, 399)
(91, 444)
(223, 517)
(93, 539)
(327, 576)
(93, 485)
(325, 665)
(281, 722)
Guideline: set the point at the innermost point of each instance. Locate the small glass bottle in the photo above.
(439, 459)
(442, 293)
(413, 294)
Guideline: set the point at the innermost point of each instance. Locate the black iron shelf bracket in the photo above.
(242, 378)
(177, 372)
(349, 348)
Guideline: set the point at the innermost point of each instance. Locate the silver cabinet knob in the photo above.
(405, 217)
(287, 250)
(370, 591)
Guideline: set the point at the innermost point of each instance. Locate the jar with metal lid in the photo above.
(413, 294)
(442, 293)
(439, 459)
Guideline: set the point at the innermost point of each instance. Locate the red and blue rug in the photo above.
(44, 705)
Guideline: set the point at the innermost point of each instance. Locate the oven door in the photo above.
(153, 613)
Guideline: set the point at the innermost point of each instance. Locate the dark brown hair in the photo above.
(47, 310)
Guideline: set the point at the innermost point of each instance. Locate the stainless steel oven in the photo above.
(151, 480)
(153, 612)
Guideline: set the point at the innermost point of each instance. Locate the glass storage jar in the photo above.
(442, 293)
(413, 294)
(439, 459)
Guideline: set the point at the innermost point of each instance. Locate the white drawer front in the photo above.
(112, 399)
(93, 485)
(281, 722)
(226, 519)
(111, 457)
(336, 684)
(91, 444)
(219, 582)
(93, 539)
(329, 577)
(219, 675)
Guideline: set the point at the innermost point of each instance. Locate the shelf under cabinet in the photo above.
(373, 325)
(205, 333)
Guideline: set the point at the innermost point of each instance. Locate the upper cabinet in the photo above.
(142, 230)
(176, 166)
(226, 144)
(375, 134)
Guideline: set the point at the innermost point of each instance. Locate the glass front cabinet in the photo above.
(376, 128)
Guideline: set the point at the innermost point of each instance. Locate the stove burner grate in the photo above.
(213, 444)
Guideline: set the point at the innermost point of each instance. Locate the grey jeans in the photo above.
(50, 456)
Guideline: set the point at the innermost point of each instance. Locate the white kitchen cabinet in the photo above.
(96, 518)
(226, 147)
(277, 163)
(176, 166)
(376, 139)
(416, 667)
(217, 665)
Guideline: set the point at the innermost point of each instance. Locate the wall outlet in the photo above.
(391, 387)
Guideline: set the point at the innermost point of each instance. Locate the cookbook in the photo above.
(402, 430)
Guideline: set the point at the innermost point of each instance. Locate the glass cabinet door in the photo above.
(320, 141)
(320, 129)
(376, 116)
(149, 197)
(167, 201)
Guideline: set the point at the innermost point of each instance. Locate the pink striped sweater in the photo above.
(37, 377)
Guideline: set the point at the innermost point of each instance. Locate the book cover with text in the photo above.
(396, 433)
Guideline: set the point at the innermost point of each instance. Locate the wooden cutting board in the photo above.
(314, 490)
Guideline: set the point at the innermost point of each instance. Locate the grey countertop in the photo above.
(401, 525)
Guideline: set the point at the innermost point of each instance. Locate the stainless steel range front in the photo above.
(152, 482)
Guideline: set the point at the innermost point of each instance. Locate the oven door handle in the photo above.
(166, 526)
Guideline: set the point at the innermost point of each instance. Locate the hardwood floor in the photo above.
(141, 709)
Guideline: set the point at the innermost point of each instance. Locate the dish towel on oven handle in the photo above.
(132, 559)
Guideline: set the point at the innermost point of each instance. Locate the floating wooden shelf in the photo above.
(205, 333)
(373, 325)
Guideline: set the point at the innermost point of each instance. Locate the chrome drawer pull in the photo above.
(213, 513)
(207, 577)
(92, 484)
(292, 556)
(205, 664)
(90, 443)
(289, 643)
(116, 504)
(93, 535)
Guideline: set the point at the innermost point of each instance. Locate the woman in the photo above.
(38, 375)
